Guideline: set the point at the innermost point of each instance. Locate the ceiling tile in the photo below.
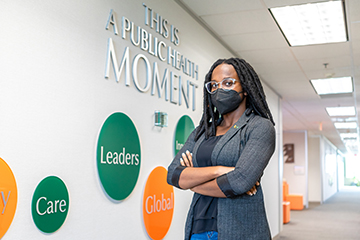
(267, 55)
(208, 7)
(255, 41)
(277, 67)
(241, 22)
(321, 50)
(281, 3)
(353, 9)
(331, 68)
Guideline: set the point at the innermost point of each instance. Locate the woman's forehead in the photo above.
(222, 71)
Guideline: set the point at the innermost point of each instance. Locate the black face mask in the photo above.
(226, 101)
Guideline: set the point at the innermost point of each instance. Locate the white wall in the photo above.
(272, 179)
(329, 169)
(314, 171)
(296, 173)
(54, 99)
(340, 170)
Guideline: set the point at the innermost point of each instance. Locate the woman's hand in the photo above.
(186, 159)
(253, 190)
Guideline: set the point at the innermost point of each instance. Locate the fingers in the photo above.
(252, 191)
(182, 162)
(186, 159)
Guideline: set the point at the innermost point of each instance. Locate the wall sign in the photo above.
(8, 197)
(118, 156)
(158, 204)
(183, 129)
(180, 87)
(50, 204)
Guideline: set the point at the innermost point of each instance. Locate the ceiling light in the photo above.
(312, 23)
(348, 135)
(345, 125)
(333, 85)
(340, 111)
(341, 119)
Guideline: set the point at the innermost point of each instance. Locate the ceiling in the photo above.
(249, 31)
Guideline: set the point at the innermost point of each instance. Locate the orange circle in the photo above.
(8, 197)
(158, 204)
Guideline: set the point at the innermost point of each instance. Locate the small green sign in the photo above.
(183, 129)
(118, 156)
(50, 204)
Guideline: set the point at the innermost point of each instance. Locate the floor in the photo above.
(338, 218)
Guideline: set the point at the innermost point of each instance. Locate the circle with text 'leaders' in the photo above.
(158, 204)
(183, 129)
(8, 197)
(118, 156)
(50, 204)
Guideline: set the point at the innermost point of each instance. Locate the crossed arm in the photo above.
(202, 180)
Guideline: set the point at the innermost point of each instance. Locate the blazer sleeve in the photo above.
(175, 169)
(259, 148)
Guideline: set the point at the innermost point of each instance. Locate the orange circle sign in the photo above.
(158, 204)
(8, 197)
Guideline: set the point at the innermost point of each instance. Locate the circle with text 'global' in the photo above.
(50, 204)
(158, 204)
(8, 197)
(118, 156)
(183, 129)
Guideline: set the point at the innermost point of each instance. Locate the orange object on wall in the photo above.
(296, 200)
(286, 212)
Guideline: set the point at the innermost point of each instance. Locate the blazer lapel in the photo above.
(230, 133)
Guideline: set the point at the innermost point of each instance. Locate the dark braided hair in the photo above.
(250, 82)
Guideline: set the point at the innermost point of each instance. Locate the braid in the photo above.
(250, 83)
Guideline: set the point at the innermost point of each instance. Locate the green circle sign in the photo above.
(118, 156)
(183, 129)
(50, 204)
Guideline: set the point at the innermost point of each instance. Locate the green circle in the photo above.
(118, 156)
(50, 204)
(183, 129)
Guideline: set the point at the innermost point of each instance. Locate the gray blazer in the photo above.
(247, 146)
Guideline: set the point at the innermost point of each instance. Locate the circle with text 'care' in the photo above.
(183, 129)
(50, 204)
(118, 156)
(158, 204)
(8, 197)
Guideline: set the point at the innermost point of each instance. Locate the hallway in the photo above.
(338, 218)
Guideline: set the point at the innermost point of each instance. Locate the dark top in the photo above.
(205, 210)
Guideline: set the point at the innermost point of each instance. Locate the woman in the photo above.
(225, 156)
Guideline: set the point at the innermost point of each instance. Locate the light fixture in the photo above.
(348, 135)
(333, 85)
(312, 23)
(345, 125)
(340, 111)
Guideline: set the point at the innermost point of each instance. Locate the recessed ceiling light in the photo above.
(345, 125)
(342, 119)
(348, 135)
(312, 23)
(332, 85)
(340, 111)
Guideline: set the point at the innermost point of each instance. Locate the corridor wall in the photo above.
(54, 99)
(315, 163)
(296, 171)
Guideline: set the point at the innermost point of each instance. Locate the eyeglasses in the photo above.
(227, 84)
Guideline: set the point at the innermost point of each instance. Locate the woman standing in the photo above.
(225, 156)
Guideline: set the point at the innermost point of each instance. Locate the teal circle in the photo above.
(50, 204)
(183, 129)
(118, 156)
